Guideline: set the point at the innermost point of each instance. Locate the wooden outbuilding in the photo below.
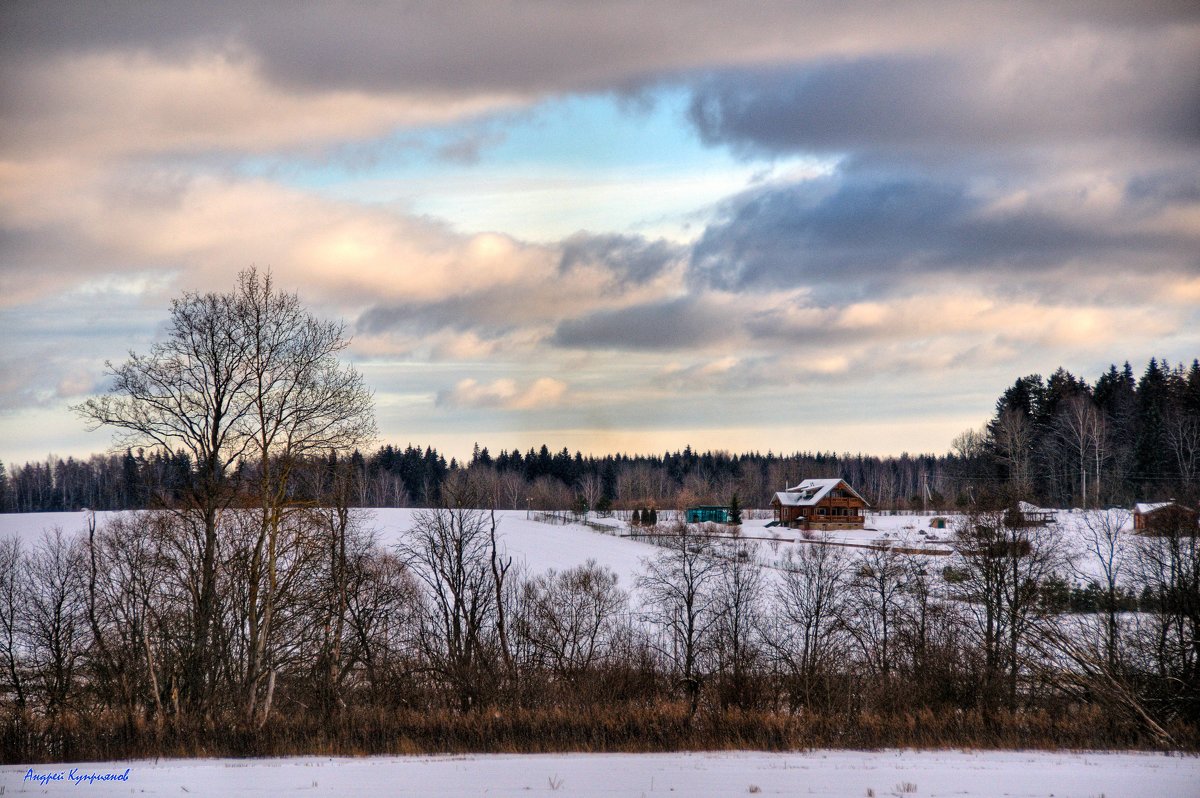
(1027, 515)
(820, 504)
(1157, 518)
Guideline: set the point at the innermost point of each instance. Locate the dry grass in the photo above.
(634, 727)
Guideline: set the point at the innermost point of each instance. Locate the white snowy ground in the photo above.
(537, 546)
(817, 773)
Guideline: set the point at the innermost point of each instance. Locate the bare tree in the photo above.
(125, 584)
(568, 617)
(14, 592)
(1079, 426)
(1182, 431)
(1107, 547)
(876, 592)
(384, 615)
(244, 375)
(188, 395)
(591, 487)
(450, 551)
(303, 402)
(1006, 564)
(737, 638)
(679, 586)
(1168, 564)
(806, 638)
(57, 619)
(1014, 437)
(514, 490)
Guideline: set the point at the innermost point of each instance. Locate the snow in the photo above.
(815, 773)
(537, 546)
(534, 546)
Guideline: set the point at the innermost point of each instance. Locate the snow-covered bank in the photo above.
(817, 773)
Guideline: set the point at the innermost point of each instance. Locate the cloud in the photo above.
(532, 45)
(101, 105)
(504, 393)
(1016, 186)
(113, 77)
(203, 229)
(629, 259)
(1071, 88)
(683, 323)
(860, 234)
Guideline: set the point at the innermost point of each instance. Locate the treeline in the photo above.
(1059, 442)
(1066, 442)
(538, 478)
(442, 643)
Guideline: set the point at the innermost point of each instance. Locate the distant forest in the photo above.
(1059, 441)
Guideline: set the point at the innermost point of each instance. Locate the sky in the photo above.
(610, 226)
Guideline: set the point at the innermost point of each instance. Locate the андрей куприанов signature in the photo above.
(74, 775)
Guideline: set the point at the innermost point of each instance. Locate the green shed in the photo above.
(707, 513)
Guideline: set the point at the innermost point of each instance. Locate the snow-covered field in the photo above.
(536, 546)
(816, 773)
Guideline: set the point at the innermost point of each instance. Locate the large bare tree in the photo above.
(250, 376)
(303, 402)
(188, 394)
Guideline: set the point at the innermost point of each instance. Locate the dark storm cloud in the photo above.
(974, 102)
(531, 46)
(630, 259)
(859, 233)
(676, 324)
(1165, 189)
(490, 314)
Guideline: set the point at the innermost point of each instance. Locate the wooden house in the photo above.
(1159, 517)
(820, 504)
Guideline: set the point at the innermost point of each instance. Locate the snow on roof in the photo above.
(1142, 508)
(811, 491)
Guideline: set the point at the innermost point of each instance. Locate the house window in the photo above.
(820, 511)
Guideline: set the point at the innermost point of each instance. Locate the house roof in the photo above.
(1148, 507)
(810, 491)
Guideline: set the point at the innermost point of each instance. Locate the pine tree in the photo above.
(637, 517)
(735, 511)
(1152, 401)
